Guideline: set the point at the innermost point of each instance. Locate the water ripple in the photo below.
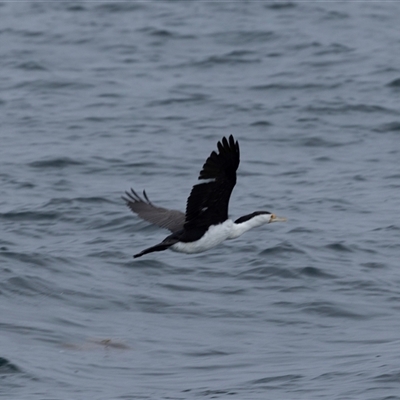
(7, 367)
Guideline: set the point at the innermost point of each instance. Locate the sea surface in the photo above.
(98, 97)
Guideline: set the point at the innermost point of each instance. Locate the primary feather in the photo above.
(172, 220)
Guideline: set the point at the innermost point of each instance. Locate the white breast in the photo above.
(215, 235)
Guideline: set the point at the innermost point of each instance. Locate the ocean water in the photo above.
(97, 97)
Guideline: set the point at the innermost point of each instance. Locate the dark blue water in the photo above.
(98, 97)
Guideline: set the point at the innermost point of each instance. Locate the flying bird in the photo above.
(205, 223)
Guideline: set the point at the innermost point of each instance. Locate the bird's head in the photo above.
(260, 218)
(249, 221)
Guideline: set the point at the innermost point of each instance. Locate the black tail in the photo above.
(164, 245)
(158, 247)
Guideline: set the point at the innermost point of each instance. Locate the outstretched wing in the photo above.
(208, 202)
(162, 217)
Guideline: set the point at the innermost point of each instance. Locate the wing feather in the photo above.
(208, 202)
(162, 217)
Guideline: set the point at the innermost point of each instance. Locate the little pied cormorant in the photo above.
(206, 222)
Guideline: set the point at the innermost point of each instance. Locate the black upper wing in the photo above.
(162, 217)
(208, 202)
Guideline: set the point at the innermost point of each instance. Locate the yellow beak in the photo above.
(274, 218)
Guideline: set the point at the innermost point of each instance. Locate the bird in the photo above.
(205, 224)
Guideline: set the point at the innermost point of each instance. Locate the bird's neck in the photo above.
(239, 228)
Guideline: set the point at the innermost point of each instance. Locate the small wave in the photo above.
(331, 310)
(266, 271)
(389, 228)
(7, 367)
(315, 272)
(261, 123)
(280, 5)
(340, 247)
(29, 286)
(244, 37)
(393, 176)
(89, 200)
(294, 86)
(207, 353)
(30, 33)
(283, 248)
(214, 393)
(393, 377)
(301, 230)
(277, 378)
(96, 344)
(395, 83)
(60, 162)
(389, 127)
(319, 142)
(29, 216)
(374, 265)
(120, 7)
(31, 66)
(75, 7)
(192, 98)
(334, 48)
(41, 84)
(36, 259)
(349, 108)
(232, 58)
(165, 33)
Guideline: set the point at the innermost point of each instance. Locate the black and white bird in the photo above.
(205, 223)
